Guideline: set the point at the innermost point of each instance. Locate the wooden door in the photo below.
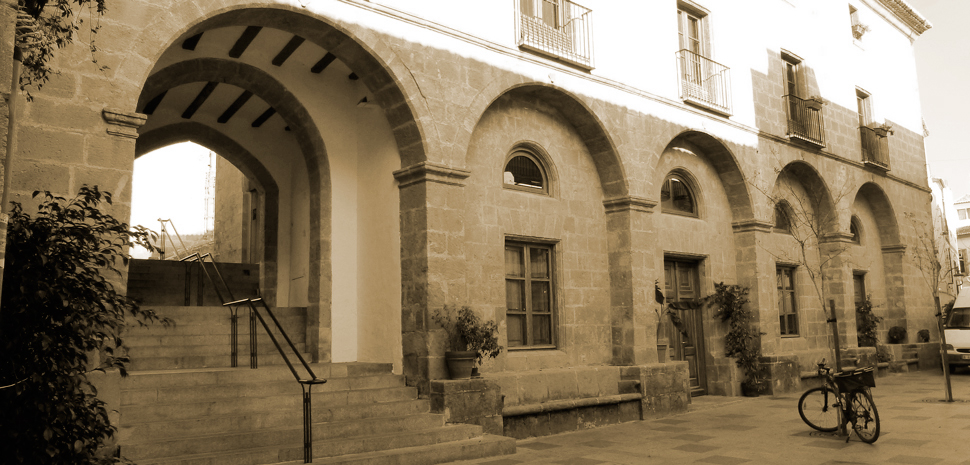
(681, 280)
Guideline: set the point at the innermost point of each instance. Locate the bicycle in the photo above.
(842, 399)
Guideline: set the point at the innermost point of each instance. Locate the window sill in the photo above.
(528, 348)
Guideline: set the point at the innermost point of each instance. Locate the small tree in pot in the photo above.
(470, 339)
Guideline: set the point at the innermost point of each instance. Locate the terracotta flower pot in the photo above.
(460, 363)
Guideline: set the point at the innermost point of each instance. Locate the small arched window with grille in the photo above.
(782, 218)
(855, 230)
(677, 196)
(524, 171)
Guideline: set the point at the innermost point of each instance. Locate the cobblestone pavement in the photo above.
(916, 428)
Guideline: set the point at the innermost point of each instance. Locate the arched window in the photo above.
(676, 196)
(524, 171)
(855, 230)
(782, 218)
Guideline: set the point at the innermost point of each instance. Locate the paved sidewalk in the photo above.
(916, 428)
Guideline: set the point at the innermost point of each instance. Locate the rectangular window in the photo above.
(529, 294)
(859, 285)
(690, 29)
(864, 104)
(703, 81)
(963, 213)
(787, 311)
(963, 262)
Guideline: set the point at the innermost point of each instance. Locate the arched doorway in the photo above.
(265, 87)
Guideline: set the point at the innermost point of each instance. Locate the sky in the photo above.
(943, 58)
(169, 183)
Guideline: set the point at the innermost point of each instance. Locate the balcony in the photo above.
(557, 28)
(875, 148)
(805, 120)
(704, 82)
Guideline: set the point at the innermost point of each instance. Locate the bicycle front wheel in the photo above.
(865, 418)
(819, 408)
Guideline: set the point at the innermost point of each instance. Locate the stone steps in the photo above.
(183, 404)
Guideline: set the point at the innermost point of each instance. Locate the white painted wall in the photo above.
(635, 42)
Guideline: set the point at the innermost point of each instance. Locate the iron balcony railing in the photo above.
(557, 28)
(875, 148)
(805, 120)
(704, 82)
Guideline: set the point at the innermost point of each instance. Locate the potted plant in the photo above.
(815, 102)
(470, 340)
(741, 342)
(859, 30)
(883, 129)
(897, 335)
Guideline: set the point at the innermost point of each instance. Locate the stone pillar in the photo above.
(837, 285)
(8, 20)
(755, 271)
(632, 317)
(432, 262)
(893, 259)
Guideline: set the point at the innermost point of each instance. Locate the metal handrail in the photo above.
(254, 314)
(704, 81)
(804, 120)
(164, 233)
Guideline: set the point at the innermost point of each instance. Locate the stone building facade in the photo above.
(403, 156)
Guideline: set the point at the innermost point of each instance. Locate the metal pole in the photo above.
(835, 332)
(946, 366)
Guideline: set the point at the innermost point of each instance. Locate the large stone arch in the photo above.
(599, 142)
(885, 216)
(245, 162)
(371, 58)
(726, 165)
(311, 144)
(819, 195)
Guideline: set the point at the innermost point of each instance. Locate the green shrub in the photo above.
(59, 319)
(866, 323)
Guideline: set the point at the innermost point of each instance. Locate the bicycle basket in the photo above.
(855, 379)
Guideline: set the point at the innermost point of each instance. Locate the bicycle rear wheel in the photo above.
(819, 409)
(865, 418)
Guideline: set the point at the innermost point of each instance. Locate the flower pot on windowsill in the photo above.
(460, 363)
(814, 105)
(882, 131)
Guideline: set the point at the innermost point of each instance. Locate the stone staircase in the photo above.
(183, 404)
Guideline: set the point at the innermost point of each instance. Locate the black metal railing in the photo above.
(875, 147)
(805, 120)
(704, 81)
(257, 306)
(558, 28)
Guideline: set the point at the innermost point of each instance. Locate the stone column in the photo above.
(432, 262)
(632, 317)
(755, 271)
(837, 285)
(8, 20)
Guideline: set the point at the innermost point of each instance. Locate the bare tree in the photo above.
(935, 268)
